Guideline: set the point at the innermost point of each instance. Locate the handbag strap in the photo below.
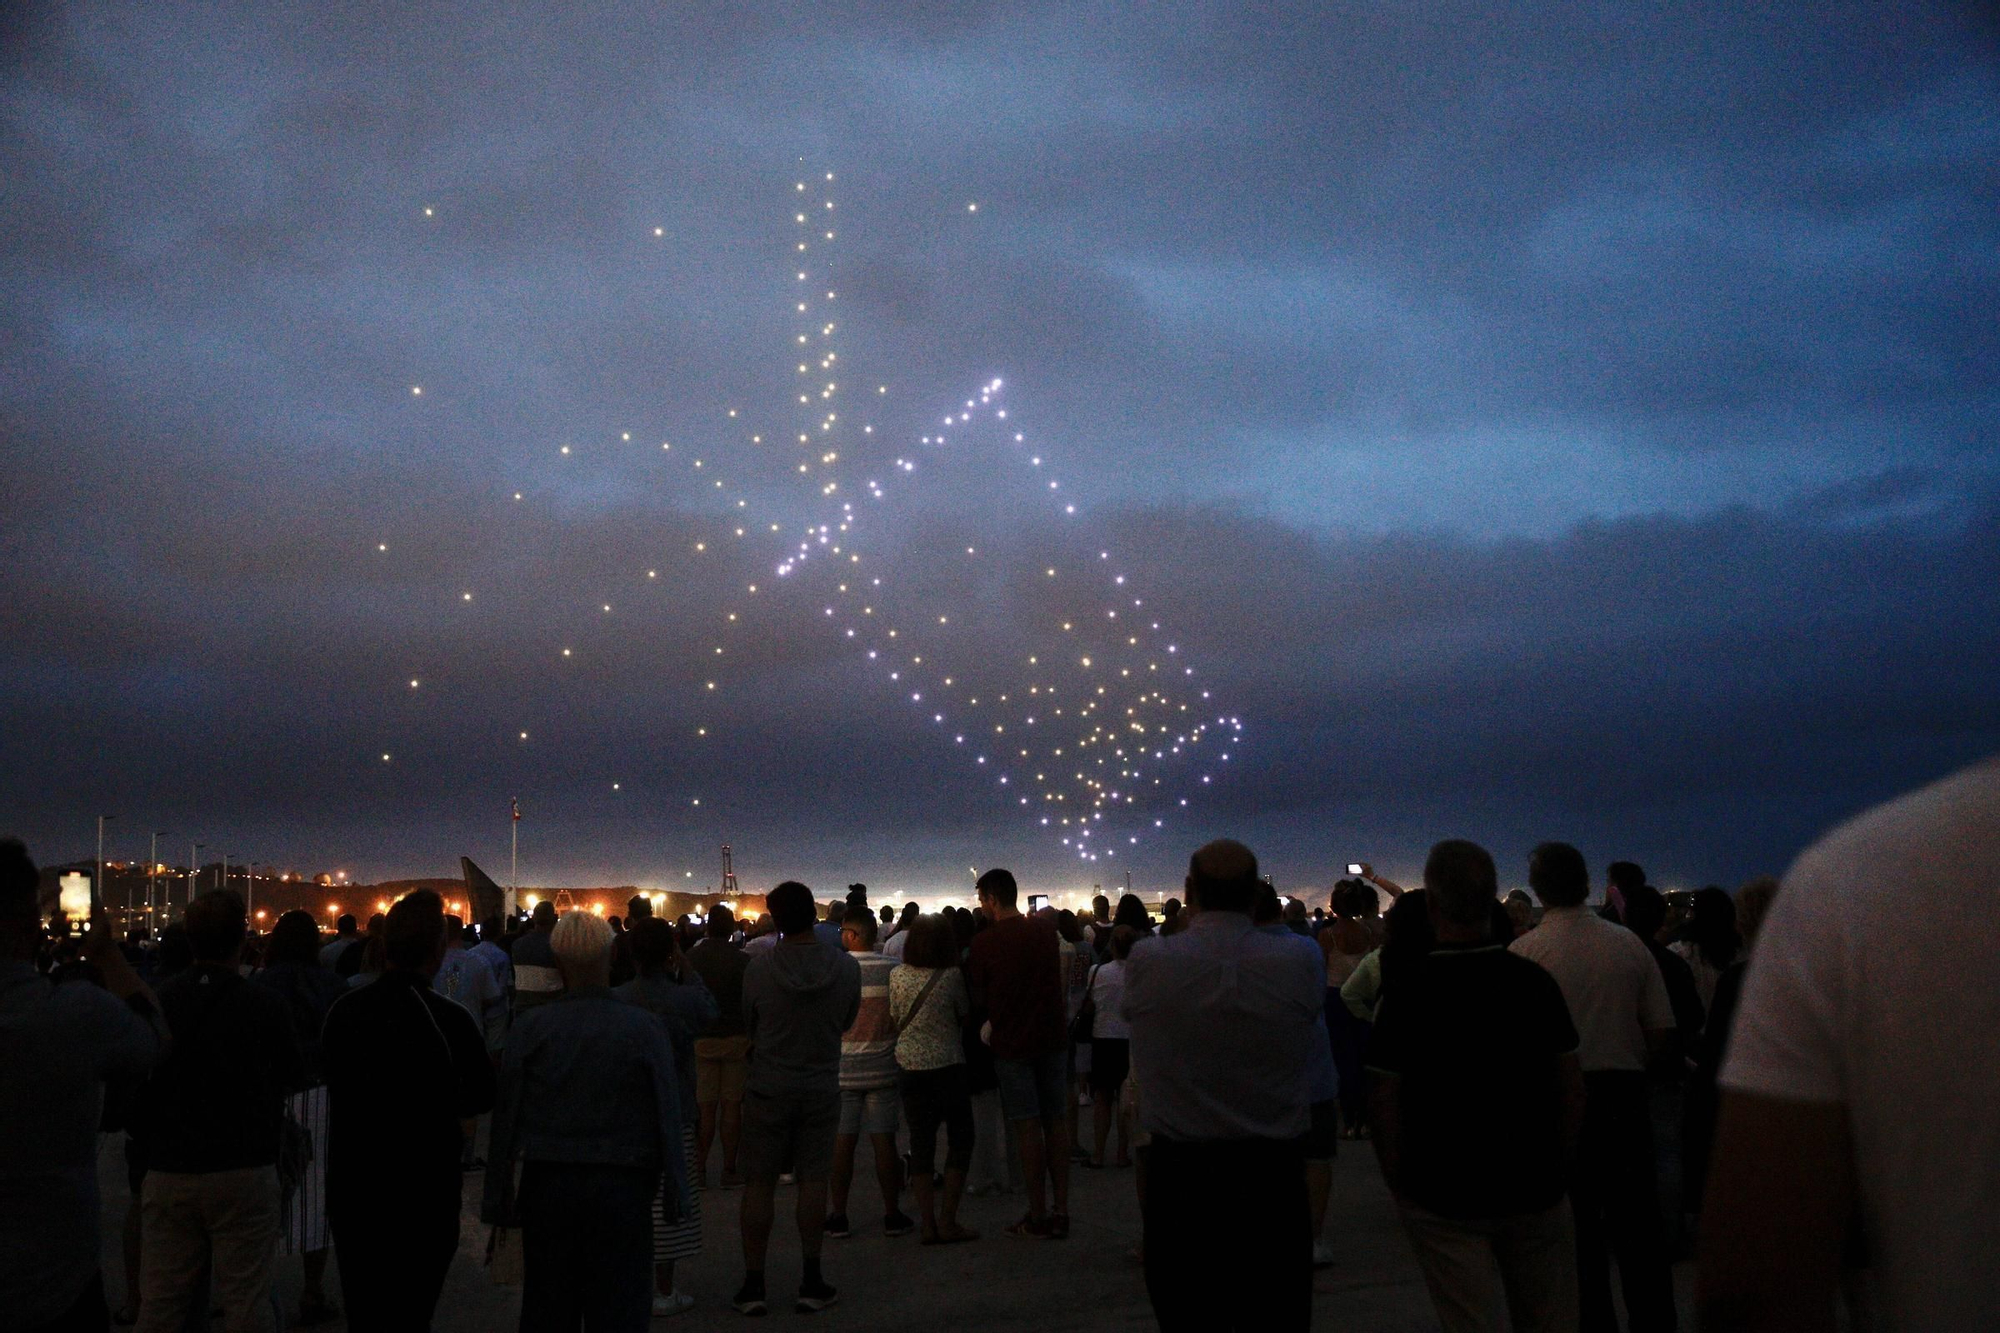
(937, 975)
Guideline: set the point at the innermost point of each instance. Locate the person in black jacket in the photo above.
(214, 1112)
(404, 1068)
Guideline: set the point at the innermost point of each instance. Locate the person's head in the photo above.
(1122, 940)
(1100, 909)
(1711, 926)
(792, 909)
(491, 928)
(1295, 912)
(413, 939)
(295, 939)
(1131, 912)
(20, 901)
(617, 924)
(1753, 900)
(857, 895)
(345, 925)
(888, 915)
(997, 892)
(544, 916)
(1221, 877)
(1406, 926)
(454, 932)
(721, 923)
(1068, 926)
(1170, 909)
(216, 927)
(1625, 876)
(858, 929)
(1520, 910)
(1645, 911)
(637, 907)
(933, 942)
(1266, 910)
(1558, 875)
(173, 955)
(1461, 885)
(582, 946)
(653, 945)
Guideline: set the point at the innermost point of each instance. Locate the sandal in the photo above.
(1030, 1228)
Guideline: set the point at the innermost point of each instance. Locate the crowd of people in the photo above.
(1562, 1099)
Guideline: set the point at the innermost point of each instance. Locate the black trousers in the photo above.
(1616, 1196)
(393, 1259)
(1228, 1236)
(933, 1098)
(587, 1239)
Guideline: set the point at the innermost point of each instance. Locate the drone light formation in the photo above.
(1095, 732)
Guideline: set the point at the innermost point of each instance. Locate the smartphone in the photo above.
(1037, 901)
(73, 897)
(1356, 868)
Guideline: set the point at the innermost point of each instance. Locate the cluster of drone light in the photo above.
(1088, 729)
(1085, 735)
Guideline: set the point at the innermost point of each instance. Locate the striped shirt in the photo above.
(868, 1047)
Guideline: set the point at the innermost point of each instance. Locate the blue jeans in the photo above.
(587, 1239)
(1036, 1088)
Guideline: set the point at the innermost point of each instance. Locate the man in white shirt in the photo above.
(1619, 1004)
(346, 934)
(1222, 1017)
(1862, 1082)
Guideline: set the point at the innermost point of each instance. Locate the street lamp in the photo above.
(101, 819)
(194, 865)
(152, 872)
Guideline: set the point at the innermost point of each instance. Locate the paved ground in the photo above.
(1087, 1282)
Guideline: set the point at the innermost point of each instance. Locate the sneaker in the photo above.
(816, 1297)
(666, 1307)
(749, 1300)
(1322, 1254)
(836, 1226)
(897, 1224)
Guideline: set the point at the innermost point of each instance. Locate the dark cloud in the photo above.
(1566, 420)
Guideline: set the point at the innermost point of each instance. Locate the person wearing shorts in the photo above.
(1110, 1051)
(1015, 968)
(722, 1052)
(869, 1101)
(799, 998)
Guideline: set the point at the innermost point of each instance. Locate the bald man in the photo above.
(1222, 1017)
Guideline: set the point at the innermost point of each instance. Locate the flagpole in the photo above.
(514, 860)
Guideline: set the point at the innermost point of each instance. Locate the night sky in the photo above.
(1527, 422)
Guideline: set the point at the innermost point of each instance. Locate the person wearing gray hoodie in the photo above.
(798, 1000)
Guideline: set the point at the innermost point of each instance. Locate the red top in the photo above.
(1015, 969)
